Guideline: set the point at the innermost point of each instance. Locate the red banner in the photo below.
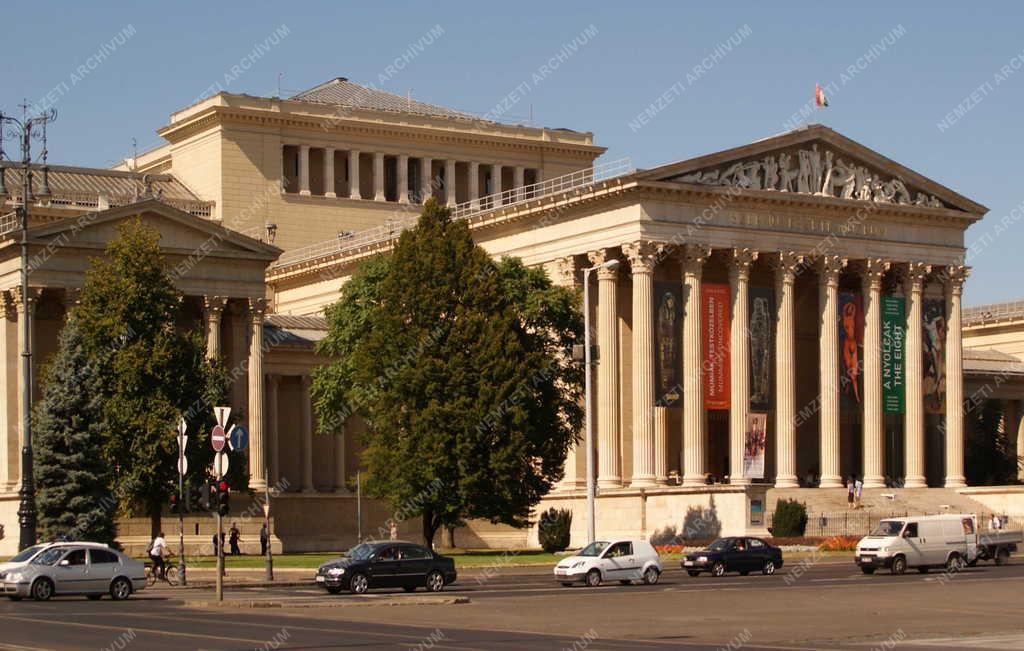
(715, 335)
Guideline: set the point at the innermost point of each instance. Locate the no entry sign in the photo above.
(217, 438)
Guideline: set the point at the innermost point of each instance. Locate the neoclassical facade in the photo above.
(782, 314)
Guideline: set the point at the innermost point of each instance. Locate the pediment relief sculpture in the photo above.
(814, 171)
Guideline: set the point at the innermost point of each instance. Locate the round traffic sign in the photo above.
(183, 465)
(220, 464)
(217, 438)
(238, 438)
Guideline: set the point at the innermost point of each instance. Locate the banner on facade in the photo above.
(933, 315)
(893, 354)
(668, 356)
(754, 442)
(851, 348)
(761, 315)
(715, 330)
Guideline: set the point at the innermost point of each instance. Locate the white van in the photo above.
(923, 542)
(625, 560)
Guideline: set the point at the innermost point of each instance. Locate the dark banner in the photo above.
(668, 346)
(893, 354)
(715, 330)
(761, 315)
(933, 314)
(851, 348)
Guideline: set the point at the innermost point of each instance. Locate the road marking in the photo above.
(22, 647)
(156, 631)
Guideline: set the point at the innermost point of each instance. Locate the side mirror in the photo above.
(906, 533)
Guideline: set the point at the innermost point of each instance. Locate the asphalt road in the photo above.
(824, 605)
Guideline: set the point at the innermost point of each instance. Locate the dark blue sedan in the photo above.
(393, 564)
(734, 554)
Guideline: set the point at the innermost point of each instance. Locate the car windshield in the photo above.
(593, 549)
(360, 552)
(49, 557)
(719, 545)
(26, 554)
(887, 528)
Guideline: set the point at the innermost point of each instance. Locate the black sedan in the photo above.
(393, 564)
(739, 554)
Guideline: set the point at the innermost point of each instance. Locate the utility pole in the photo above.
(24, 129)
(266, 523)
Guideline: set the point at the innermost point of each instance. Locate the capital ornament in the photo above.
(956, 275)
(642, 256)
(693, 257)
(786, 263)
(874, 271)
(740, 261)
(258, 308)
(830, 266)
(565, 270)
(599, 257)
(214, 304)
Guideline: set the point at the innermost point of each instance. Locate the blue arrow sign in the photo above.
(238, 439)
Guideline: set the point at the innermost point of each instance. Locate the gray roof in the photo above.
(288, 330)
(342, 92)
(986, 361)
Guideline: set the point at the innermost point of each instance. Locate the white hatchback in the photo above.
(624, 561)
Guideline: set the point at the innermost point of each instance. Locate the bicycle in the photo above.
(170, 575)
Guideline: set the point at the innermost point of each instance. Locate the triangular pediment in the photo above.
(180, 232)
(815, 161)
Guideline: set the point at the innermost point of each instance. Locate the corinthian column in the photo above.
(474, 184)
(956, 275)
(913, 417)
(829, 268)
(329, 173)
(874, 430)
(353, 175)
(449, 182)
(563, 274)
(641, 261)
(426, 179)
(693, 258)
(609, 454)
(785, 265)
(257, 462)
(214, 308)
(304, 170)
(378, 176)
(739, 360)
(403, 178)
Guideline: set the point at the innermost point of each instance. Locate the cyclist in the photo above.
(157, 549)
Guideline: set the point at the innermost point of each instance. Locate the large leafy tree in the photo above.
(459, 366)
(152, 367)
(72, 480)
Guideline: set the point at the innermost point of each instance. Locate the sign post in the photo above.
(217, 441)
(266, 523)
(182, 469)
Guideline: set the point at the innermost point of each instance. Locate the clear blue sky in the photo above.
(892, 104)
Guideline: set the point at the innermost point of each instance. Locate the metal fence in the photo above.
(860, 522)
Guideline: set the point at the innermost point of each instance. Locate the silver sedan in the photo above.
(78, 568)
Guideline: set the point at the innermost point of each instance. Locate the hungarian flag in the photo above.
(819, 96)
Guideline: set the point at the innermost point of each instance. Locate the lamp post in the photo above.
(589, 441)
(25, 130)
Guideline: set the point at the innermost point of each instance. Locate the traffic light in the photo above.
(175, 506)
(223, 498)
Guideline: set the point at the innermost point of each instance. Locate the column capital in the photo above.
(258, 309)
(785, 264)
(599, 257)
(565, 269)
(915, 274)
(7, 308)
(830, 266)
(873, 270)
(214, 305)
(642, 255)
(739, 263)
(72, 297)
(693, 257)
(955, 275)
(19, 299)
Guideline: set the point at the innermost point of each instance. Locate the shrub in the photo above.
(789, 519)
(553, 529)
(839, 544)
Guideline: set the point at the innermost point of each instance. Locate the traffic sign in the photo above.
(217, 438)
(182, 426)
(223, 415)
(238, 438)
(182, 441)
(220, 464)
(183, 465)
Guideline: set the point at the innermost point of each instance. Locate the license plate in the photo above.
(688, 563)
(866, 559)
(560, 572)
(321, 579)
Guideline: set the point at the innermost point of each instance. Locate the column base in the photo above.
(831, 482)
(308, 490)
(305, 193)
(694, 481)
(259, 485)
(874, 482)
(355, 196)
(403, 200)
(379, 197)
(789, 481)
(643, 482)
(331, 195)
(609, 482)
(739, 481)
(342, 491)
(915, 482)
(956, 482)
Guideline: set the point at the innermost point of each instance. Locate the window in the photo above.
(414, 553)
(49, 557)
(620, 549)
(387, 554)
(910, 531)
(593, 549)
(75, 557)
(756, 544)
(102, 556)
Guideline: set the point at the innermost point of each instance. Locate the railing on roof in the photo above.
(994, 312)
(349, 241)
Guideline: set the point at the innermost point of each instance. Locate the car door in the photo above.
(413, 564)
(384, 567)
(614, 564)
(757, 554)
(735, 556)
(71, 574)
(912, 546)
(103, 565)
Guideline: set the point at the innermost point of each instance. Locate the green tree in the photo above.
(459, 366)
(72, 481)
(153, 368)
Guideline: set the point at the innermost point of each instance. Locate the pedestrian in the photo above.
(264, 539)
(858, 490)
(235, 536)
(393, 530)
(849, 492)
(157, 549)
(996, 523)
(214, 540)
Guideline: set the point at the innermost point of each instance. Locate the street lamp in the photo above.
(23, 130)
(589, 441)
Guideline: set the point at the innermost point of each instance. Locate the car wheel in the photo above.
(333, 589)
(954, 564)
(42, 589)
(93, 597)
(651, 576)
(566, 584)
(409, 588)
(718, 569)
(1002, 556)
(358, 584)
(769, 567)
(593, 578)
(120, 588)
(973, 563)
(899, 565)
(14, 597)
(923, 569)
(867, 570)
(435, 582)
(693, 572)
(744, 572)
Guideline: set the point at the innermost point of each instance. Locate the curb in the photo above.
(349, 603)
